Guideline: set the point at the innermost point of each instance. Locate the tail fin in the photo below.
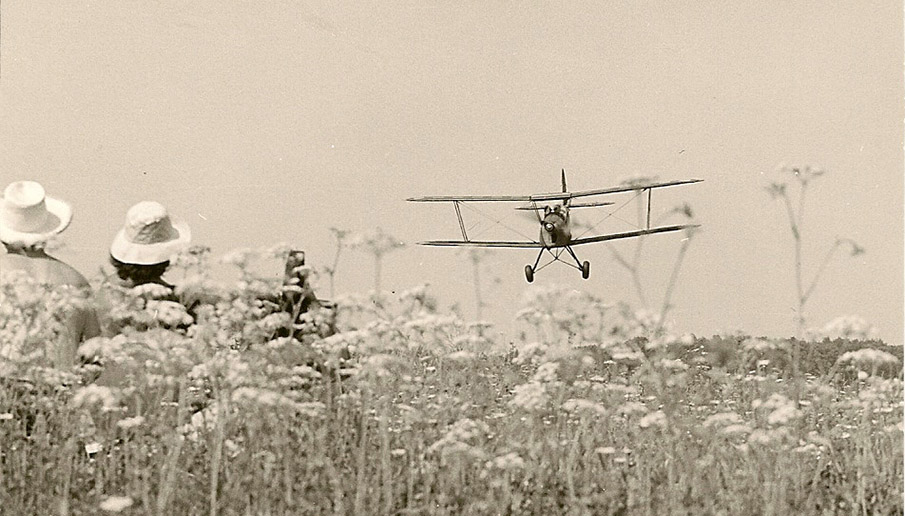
(564, 190)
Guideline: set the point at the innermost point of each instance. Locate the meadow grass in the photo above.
(590, 410)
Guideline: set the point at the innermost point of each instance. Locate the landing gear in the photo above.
(583, 267)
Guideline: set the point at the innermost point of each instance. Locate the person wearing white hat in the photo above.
(28, 219)
(142, 249)
(140, 252)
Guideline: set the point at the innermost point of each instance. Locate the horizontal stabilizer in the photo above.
(534, 207)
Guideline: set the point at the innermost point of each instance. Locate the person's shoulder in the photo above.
(9, 263)
(67, 275)
(44, 269)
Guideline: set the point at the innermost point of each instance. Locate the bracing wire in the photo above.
(500, 223)
(497, 221)
(612, 214)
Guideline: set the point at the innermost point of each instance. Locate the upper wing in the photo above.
(472, 198)
(630, 234)
(615, 189)
(484, 243)
(555, 196)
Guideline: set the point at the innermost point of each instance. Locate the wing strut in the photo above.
(649, 192)
(461, 222)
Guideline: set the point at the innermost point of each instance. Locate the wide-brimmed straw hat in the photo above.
(28, 216)
(150, 236)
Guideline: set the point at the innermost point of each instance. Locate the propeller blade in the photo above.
(568, 200)
(526, 213)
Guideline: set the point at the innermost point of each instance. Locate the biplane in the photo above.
(552, 213)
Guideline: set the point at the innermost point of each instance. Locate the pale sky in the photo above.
(261, 122)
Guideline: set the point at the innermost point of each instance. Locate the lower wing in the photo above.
(538, 245)
(630, 234)
(484, 243)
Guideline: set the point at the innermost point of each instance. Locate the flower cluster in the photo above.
(851, 327)
(775, 414)
(464, 440)
(247, 393)
(536, 394)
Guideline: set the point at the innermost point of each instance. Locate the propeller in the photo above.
(528, 213)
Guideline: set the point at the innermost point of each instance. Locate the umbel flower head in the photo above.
(802, 173)
(851, 327)
(867, 357)
(377, 242)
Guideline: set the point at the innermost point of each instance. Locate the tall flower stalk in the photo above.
(633, 264)
(477, 256)
(780, 190)
(340, 236)
(378, 243)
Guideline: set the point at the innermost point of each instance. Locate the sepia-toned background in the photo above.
(261, 122)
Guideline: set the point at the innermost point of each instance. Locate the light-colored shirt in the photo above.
(81, 323)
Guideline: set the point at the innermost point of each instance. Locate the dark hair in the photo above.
(139, 274)
(15, 247)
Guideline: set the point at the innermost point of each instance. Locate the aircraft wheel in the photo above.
(586, 270)
(529, 273)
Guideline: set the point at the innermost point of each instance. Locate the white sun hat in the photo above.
(150, 236)
(28, 216)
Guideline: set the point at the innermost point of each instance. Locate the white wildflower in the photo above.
(546, 373)
(752, 344)
(115, 503)
(151, 291)
(673, 364)
(735, 429)
(274, 321)
(278, 251)
(238, 257)
(655, 419)
(170, 313)
(632, 407)
(461, 356)
(508, 462)
(852, 327)
(722, 419)
(530, 396)
(94, 394)
(130, 422)
(783, 415)
(583, 406)
(867, 357)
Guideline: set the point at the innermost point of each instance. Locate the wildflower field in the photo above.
(388, 405)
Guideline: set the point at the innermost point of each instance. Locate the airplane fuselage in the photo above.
(555, 229)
